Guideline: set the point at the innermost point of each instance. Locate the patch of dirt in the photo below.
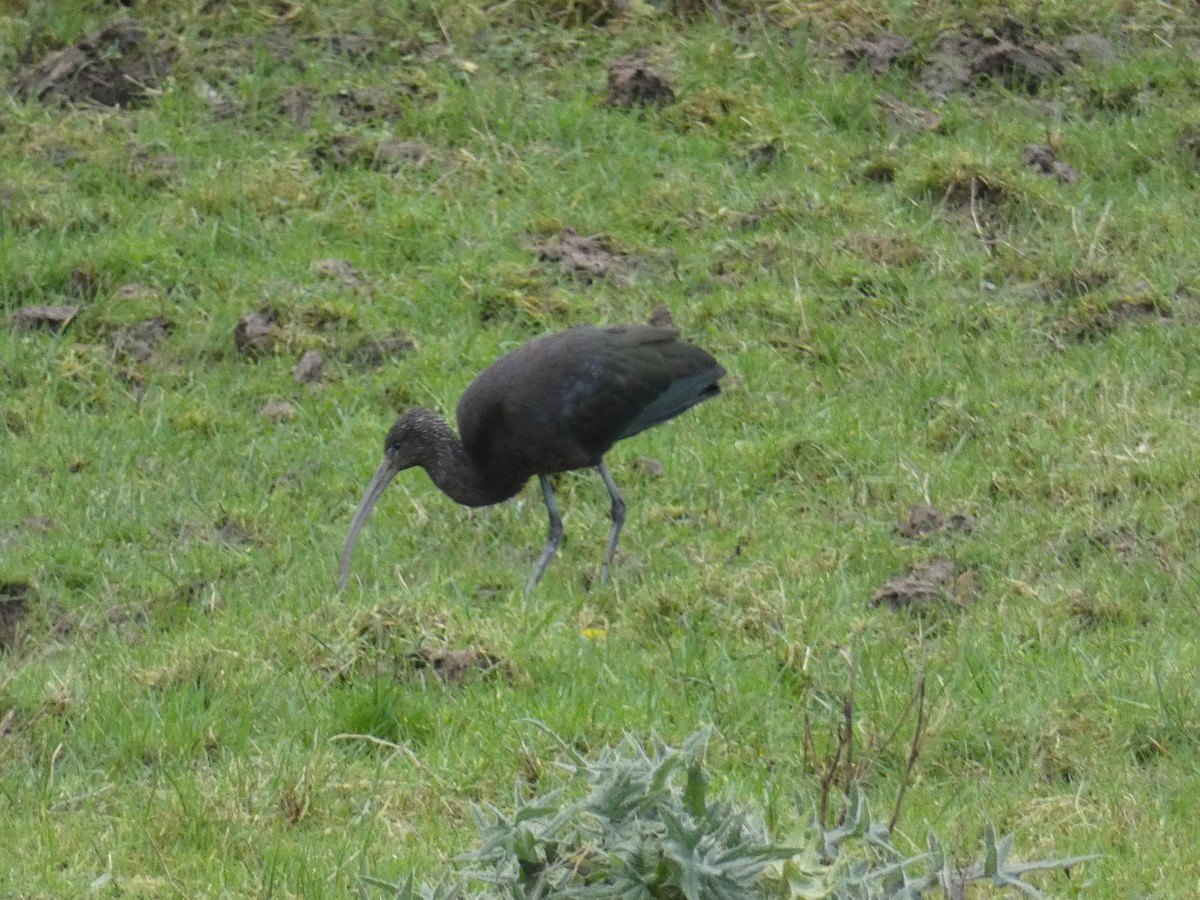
(1091, 324)
(901, 116)
(374, 104)
(256, 332)
(926, 584)
(1121, 542)
(1089, 49)
(960, 59)
(455, 665)
(278, 411)
(877, 54)
(154, 170)
(14, 610)
(632, 82)
(371, 353)
(762, 155)
(649, 466)
(1043, 158)
(83, 283)
(924, 519)
(135, 291)
(113, 66)
(352, 46)
(585, 259)
(139, 341)
(341, 151)
(660, 317)
(308, 370)
(339, 270)
(296, 104)
(889, 248)
(51, 318)
(394, 154)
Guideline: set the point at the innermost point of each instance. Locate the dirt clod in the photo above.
(455, 665)
(51, 318)
(650, 466)
(373, 352)
(113, 66)
(961, 59)
(339, 270)
(1089, 49)
(1043, 158)
(256, 332)
(901, 116)
(585, 259)
(393, 154)
(139, 341)
(927, 583)
(308, 370)
(278, 411)
(296, 104)
(660, 316)
(341, 151)
(14, 609)
(631, 82)
(876, 54)
(924, 519)
(135, 291)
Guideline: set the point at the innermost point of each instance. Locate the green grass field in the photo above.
(909, 313)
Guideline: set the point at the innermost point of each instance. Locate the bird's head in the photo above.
(404, 447)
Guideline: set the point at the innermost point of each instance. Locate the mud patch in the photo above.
(660, 317)
(1120, 542)
(14, 610)
(371, 352)
(586, 259)
(455, 665)
(929, 584)
(393, 154)
(49, 318)
(308, 370)
(374, 104)
(649, 466)
(877, 54)
(278, 411)
(1092, 324)
(256, 332)
(296, 104)
(924, 519)
(138, 342)
(1043, 159)
(632, 82)
(1089, 49)
(960, 59)
(901, 116)
(339, 270)
(113, 66)
(341, 151)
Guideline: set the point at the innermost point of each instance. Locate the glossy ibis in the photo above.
(555, 404)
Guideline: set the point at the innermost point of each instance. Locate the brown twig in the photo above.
(914, 750)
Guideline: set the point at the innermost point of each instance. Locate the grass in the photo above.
(193, 711)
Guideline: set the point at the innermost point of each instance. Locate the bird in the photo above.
(555, 404)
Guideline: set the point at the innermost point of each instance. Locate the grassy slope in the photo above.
(184, 675)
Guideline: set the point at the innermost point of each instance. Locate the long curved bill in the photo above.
(383, 475)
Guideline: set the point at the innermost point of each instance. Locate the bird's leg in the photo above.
(553, 539)
(618, 519)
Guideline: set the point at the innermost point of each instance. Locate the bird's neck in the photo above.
(457, 474)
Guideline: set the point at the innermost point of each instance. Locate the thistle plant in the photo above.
(647, 828)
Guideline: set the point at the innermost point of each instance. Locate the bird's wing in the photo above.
(631, 378)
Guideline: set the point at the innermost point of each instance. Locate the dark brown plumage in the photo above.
(555, 404)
